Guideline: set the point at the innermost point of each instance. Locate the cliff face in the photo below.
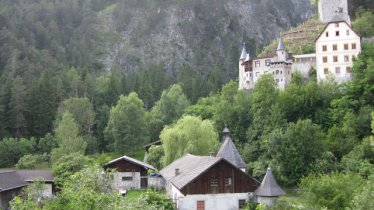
(199, 33)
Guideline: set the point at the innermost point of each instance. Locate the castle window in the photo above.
(267, 62)
(337, 70)
(277, 72)
(337, 33)
(335, 47)
(346, 58)
(347, 32)
(324, 48)
(348, 69)
(257, 63)
(324, 58)
(327, 34)
(335, 59)
(346, 46)
(325, 70)
(353, 46)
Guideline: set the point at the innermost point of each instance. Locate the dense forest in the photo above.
(61, 108)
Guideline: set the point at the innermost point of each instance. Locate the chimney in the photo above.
(177, 172)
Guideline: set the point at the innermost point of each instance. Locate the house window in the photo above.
(346, 58)
(213, 181)
(267, 62)
(326, 70)
(335, 47)
(324, 48)
(337, 70)
(346, 46)
(347, 32)
(200, 205)
(353, 46)
(337, 33)
(324, 59)
(335, 58)
(348, 69)
(241, 204)
(257, 63)
(127, 178)
(228, 181)
(327, 34)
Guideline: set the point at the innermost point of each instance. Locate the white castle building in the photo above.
(336, 48)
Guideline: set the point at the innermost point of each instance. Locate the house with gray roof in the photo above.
(269, 189)
(128, 173)
(13, 181)
(207, 182)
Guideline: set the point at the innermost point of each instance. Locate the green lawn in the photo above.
(132, 195)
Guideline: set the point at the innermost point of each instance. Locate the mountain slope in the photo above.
(198, 33)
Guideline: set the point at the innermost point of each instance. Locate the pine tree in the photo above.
(17, 107)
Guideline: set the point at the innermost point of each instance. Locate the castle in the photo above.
(335, 49)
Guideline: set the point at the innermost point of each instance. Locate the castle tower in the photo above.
(281, 50)
(328, 9)
(243, 57)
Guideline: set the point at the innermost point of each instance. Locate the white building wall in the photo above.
(118, 184)
(157, 182)
(327, 9)
(324, 49)
(229, 201)
(303, 64)
(47, 191)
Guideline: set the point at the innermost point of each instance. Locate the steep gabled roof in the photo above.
(132, 160)
(269, 186)
(190, 167)
(10, 179)
(229, 152)
(335, 19)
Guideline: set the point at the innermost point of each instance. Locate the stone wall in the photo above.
(119, 184)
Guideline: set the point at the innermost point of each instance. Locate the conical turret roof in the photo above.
(244, 53)
(229, 152)
(280, 44)
(269, 186)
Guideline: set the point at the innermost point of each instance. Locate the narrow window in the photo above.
(277, 71)
(324, 48)
(126, 178)
(335, 47)
(327, 34)
(347, 32)
(337, 70)
(348, 69)
(337, 33)
(353, 46)
(324, 59)
(200, 205)
(325, 70)
(346, 46)
(267, 62)
(335, 59)
(346, 58)
(257, 63)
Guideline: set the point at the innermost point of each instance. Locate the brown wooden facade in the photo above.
(223, 177)
(127, 166)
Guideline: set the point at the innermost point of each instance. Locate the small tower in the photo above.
(327, 9)
(229, 152)
(281, 50)
(269, 189)
(242, 59)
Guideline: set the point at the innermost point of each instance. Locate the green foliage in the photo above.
(11, 150)
(29, 197)
(17, 107)
(29, 161)
(363, 23)
(189, 135)
(127, 128)
(333, 191)
(168, 109)
(66, 166)
(158, 200)
(363, 198)
(67, 138)
(295, 150)
(155, 153)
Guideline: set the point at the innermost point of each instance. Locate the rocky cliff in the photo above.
(198, 33)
